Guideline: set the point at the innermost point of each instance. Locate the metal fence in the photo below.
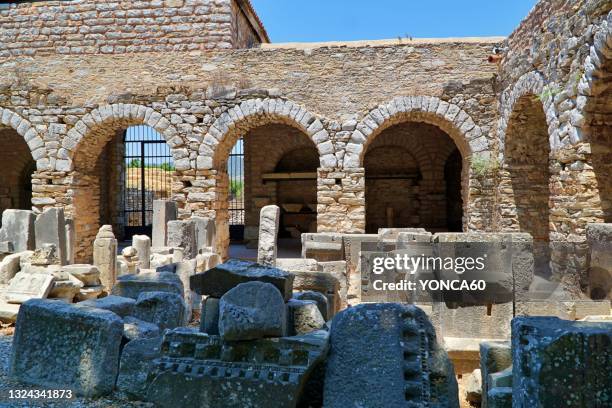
(235, 170)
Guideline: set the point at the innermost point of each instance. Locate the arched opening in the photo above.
(413, 174)
(16, 175)
(527, 174)
(118, 173)
(279, 164)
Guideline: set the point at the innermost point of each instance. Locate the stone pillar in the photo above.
(163, 212)
(105, 256)
(50, 227)
(142, 243)
(268, 232)
(341, 200)
(182, 234)
(18, 228)
(205, 232)
(70, 241)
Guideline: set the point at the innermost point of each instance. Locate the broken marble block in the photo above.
(323, 246)
(25, 286)
(268, 233)
(66, 289)
(50, 227)
(166, 310)
(58, 345)
(387, 355)
(223, 277)
(182, 234)
(201, 370)
(560, 360)
(495, 356)
(133, 285)
(9, 266)
(252, 310)
(209, 318)
(122, 306)
(45, 255)
(18, 228)
(473, 387)
(304, 316)
(136, 361)
(88, 274)
(134, 328)
(319, 298)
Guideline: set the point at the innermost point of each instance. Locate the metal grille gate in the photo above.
(148, 170)
(235, 170)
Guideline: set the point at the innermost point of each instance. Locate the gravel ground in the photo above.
(114, 401)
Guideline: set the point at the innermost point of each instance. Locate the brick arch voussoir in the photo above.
(113, 116)
(33, 139)
(453, 120)
(225, 131)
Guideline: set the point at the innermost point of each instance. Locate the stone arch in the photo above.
(119, 115)
(429, 109)
(532, 85)
(31, 136)
(226, 130)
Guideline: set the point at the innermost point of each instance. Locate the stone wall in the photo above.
(120, 26)
(15, 185)
(559, 58)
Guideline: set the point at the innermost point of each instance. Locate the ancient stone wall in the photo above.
(15, 185)
(558, 58)
(118, 27)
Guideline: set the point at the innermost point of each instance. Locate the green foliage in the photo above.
(483, 166)
(136, 163)
(549, 91)
(236, 188)
(167, 166)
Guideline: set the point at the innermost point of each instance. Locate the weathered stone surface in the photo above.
(319, 298)
(205, 232)
(387, 355)
(50, 228)
(89, 292)
(183, 234)
(18, 228)
(223, 277)
(297, 264)
(215, 373)
(320, 281)
(268, 232)
(88, 274)
(166, 310)
(500, 379)
(58, 345)
(6, 247)
(142, 243)
(134, 328)
(558, 360)
(8, 311)
(495, 356)
(66, 289)
(209, 318)
(500, 397)
(473, 387)
(163, 212)
(122, 306)
(599, 237)
(305, 316)
(133, 285)
(25, 286)
(70, 240)
(45, 255)
(252, 310)
(185, 270)
(9, 267)
(323, 246)
(206, 261)
(105, 256)
(136, 361)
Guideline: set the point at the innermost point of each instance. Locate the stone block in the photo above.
(495, 356)
(58, 345)
(142, 243)
(269, 217)
(214, 373)
(88, 274)
(134, 328)
(319, 298)
(122, 306)
(209, 318)
(50, 228)
(223, 277)
(500, 379)
(65, 289)
(205, 230)
(500, 397)
(182, 234)
(133, 285)
(252, 310)
(303, 316)
(25, 286)
(18, 228)
(393, 234)
(482, 322)
(6, 247)
(9, 266)
(185, 270)
(297, 264)
(473, 388)
(599, 238)
(322, 282)
(163, 212)
(323, 246)
(387, 355)
(559, 360)
(8, 311)
(165, 310)
(70, 240)
(105, 256)
(136, 361)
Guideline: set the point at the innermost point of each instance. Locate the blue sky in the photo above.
(329, 20)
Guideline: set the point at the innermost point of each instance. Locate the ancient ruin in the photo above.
(191, 214)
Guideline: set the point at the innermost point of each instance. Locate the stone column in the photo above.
(70, 241)
(205, 232)
(268, 232)
(50, 228)
(142, 243)
(105, 256)
(163, 212)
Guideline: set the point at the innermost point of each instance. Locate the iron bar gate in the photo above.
(148, 170)
(235, 170)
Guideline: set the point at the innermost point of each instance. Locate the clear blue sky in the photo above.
(329, 20)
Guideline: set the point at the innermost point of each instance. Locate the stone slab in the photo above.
(122, 306)
(25, 286)
(495, 356)
(165, 310)
(18, 228)
(323, 246)
(209, 318)
(133, 285)
(163, 211)
(269, 217)
(50, 228)
(136, 361)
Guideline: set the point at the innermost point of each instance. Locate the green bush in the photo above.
(482, 166)
(236, 188)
